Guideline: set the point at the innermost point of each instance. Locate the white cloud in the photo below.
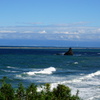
(27, 32)
(60, 32)
(42, 32)
(96, 31)
(4, 31)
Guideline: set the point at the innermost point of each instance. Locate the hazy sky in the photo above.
(65, 22)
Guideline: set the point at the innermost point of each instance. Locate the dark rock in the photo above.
(69, 52)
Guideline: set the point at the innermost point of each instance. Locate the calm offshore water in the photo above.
(80, 71)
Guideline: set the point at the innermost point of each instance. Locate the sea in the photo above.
(80, 71)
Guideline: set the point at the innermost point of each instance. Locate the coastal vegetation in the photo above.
(61, 92)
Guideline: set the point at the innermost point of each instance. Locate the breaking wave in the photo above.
(27, 75)
(93, 74)
(75, 62)
(86, 77)
(87, 86)
(49, 70)
(94, 98)
(10, 71)
(10, 67)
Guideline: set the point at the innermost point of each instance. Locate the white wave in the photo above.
(75, 62)
(93, 74)
(10, 71)
(11, 67)
(94, 98)
(84, 77)
(49, 70)
(87, 86)
(86, 93)
(81, 80)
(24, 78)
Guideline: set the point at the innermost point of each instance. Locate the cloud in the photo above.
(31, 23)
(61, 32)
(65, 32)
(42, 32)
(4, 31)
(27, 32)
(51, 32)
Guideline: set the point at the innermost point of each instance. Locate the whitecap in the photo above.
(49, 70)
(20, 76)
(93, 74)
(86, 79)
(94, 98)
(75, 62)
(11, 67)
(89, 76)
(10, 71)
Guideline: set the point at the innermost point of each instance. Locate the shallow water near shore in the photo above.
(80, 71)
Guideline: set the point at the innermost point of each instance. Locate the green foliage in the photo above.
(2, 97)
(7, 92)
(31, 92)
(61, 92)
(20, 93)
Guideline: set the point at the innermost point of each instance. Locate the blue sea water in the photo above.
(80, 71)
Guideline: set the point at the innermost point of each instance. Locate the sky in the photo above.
(50, 23)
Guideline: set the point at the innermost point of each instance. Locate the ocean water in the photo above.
(80, 71)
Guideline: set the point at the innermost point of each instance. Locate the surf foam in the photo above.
(10, 67)
(49, 70)
(89, 76)
(93, 74)
(10, 71)
(75, 62)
